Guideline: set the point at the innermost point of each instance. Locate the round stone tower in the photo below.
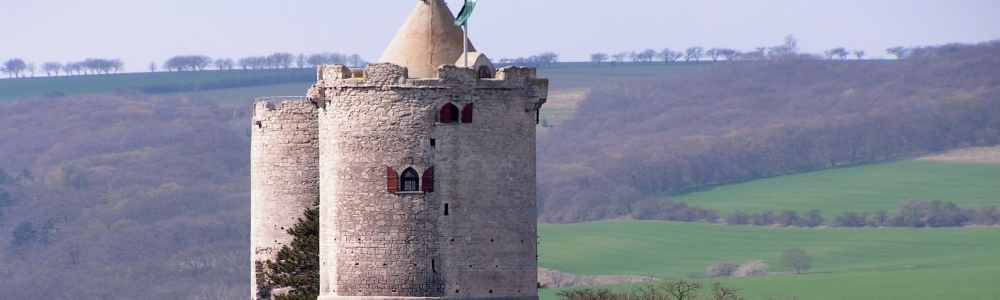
(428, 177)
(284, 178)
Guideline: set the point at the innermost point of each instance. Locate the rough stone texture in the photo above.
(380, 245)
(284, 178)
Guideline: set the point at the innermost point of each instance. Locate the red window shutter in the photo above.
(446, 113)
(467, 113)
(391, 180)
(428, 180)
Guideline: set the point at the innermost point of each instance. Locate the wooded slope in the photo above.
(123, 196)
(745, 120)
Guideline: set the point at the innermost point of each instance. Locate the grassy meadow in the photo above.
(865, 263)
(13, 88)
(863, 188)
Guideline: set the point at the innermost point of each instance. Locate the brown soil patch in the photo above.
(565, 98)
(972, 154)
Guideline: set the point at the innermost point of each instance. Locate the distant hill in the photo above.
(745, 120)
(123, 196)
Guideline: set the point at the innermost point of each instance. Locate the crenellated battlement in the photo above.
(394, 76)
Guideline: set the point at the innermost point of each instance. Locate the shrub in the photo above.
(851, 219)
(723, 269)
(738, 218)
(751, 268)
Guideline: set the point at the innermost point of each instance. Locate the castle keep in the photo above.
(425, 171)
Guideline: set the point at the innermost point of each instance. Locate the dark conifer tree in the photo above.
(297, 267)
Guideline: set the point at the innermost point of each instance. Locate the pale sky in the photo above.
(144, 31)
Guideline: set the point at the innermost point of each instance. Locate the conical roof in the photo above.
(427, 40)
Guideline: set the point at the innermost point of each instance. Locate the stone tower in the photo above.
(284, 175)
(426, 170)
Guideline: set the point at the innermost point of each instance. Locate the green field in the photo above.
(865, 263)
(863, 188)
(13, 88)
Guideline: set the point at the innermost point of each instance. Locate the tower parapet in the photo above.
(284, 177)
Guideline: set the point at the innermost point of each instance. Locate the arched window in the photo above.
(485, 72)
(449, 113)
(410, 181)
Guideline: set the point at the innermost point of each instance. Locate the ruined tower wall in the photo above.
(284, 177)
(377, 244)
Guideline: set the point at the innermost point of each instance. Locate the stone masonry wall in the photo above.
(377, 244)
(284, 177)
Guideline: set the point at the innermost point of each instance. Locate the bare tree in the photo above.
(796, 258)
(300, 61)
(546, 59)
(859, 54)
(694, 53)
(839, 52)
(648, 55)
(682, 289)
(14, 67)
(620, 57)
(152, 67)
(223, 63)
(723, 269)
(714, 53)
(598, 57)
(51, 67)
(899, 52)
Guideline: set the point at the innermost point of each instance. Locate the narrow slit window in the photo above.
(433, 143)
(433, 267)
(446, 209)
(410, 181)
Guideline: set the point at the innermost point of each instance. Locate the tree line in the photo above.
(912, 213)
(735, 122)
(18, 68)
(787, 50)
(278, 60)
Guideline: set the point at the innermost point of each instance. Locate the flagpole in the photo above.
(465, 42)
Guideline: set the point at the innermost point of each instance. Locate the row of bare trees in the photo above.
(541, 60)
(279, 60)
(17, 67)
(788, 50)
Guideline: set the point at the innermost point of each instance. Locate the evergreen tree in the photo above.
(297, 267)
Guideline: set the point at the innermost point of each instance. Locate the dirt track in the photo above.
(973, 154)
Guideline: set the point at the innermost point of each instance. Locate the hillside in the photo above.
(885, 263)
(738, 121)
(123, 196)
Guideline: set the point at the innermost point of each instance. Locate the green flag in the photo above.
(466, 11)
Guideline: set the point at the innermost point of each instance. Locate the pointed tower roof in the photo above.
(427, 40)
